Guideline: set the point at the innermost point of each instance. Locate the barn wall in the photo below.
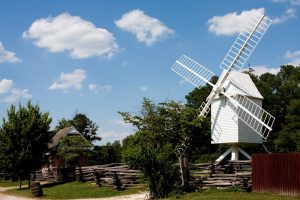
(276, 173)
(224, 128)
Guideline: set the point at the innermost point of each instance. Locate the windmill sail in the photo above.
(251, 114)
(245, 43)
(192, 71)
(239, 53)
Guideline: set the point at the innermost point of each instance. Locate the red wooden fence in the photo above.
(276, 173)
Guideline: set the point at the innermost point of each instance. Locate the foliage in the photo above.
(108, 153)
(157, 165)
(281, 93)
(70, 148)
(169, 125)
(24, 136)
(199, 95)
(288, 139)
(83, 124)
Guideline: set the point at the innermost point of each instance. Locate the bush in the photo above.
(159, 169)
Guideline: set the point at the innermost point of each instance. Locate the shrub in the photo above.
(159, 169)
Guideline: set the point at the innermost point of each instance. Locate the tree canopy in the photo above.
(24, 136)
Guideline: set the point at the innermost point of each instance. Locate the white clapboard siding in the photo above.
(246, 134)
(224, 128)
(227, 128)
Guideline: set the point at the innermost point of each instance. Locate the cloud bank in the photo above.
(81, 38)
(8, 56)
(145, 28)
(68, 81)
(231, 23)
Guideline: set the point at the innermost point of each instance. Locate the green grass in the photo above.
(75, 190)
(227, 195)
(4, 183)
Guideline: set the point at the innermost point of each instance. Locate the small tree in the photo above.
(24, 136)
(168, 124)
(71, 148)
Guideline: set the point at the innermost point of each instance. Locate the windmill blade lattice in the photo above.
(245, 43)
(192, 71)
(251, 114)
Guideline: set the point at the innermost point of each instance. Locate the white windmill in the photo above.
(236, 112)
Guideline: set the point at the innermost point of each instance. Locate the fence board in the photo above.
(276, 173)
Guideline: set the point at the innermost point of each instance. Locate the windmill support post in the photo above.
(234, 150)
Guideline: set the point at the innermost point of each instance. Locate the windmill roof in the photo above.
(241, 83)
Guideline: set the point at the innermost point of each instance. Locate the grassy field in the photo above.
(228, 195)
(75, 190)
(11, 184)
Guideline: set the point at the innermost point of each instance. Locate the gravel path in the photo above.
(140, 196)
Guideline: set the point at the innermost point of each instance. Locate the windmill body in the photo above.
(226, 127)
(237, 115)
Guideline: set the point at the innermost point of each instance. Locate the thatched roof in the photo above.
(61, 134)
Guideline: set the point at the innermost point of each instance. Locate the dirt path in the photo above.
(140, 196)
(9, 197)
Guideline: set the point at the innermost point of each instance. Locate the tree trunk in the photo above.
(29, 182)
(20, 183)
(185, 172)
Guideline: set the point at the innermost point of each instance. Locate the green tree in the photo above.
(198, 95)
(164, 124)
(83, 124)
(279, 92)
(71, 148)
(108, 153)
(288, 139)
(24, 136)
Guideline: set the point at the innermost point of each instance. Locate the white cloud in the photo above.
(113, 135)
(82, 39)
(69, 80)
(182, 81)
(231, 23)
(293, 2)
(5, 86)
(8, 56)
(119, 122)
(262, 69)
(92, 87)
(105, 88)
(294, 57)
(289, 13)
(146, 29)
(17, 94)
(143, 88)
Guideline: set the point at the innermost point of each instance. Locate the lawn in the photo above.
(228, 195)
(74, 190)
(4, 183)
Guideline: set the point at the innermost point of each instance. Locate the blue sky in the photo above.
(101, 57)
